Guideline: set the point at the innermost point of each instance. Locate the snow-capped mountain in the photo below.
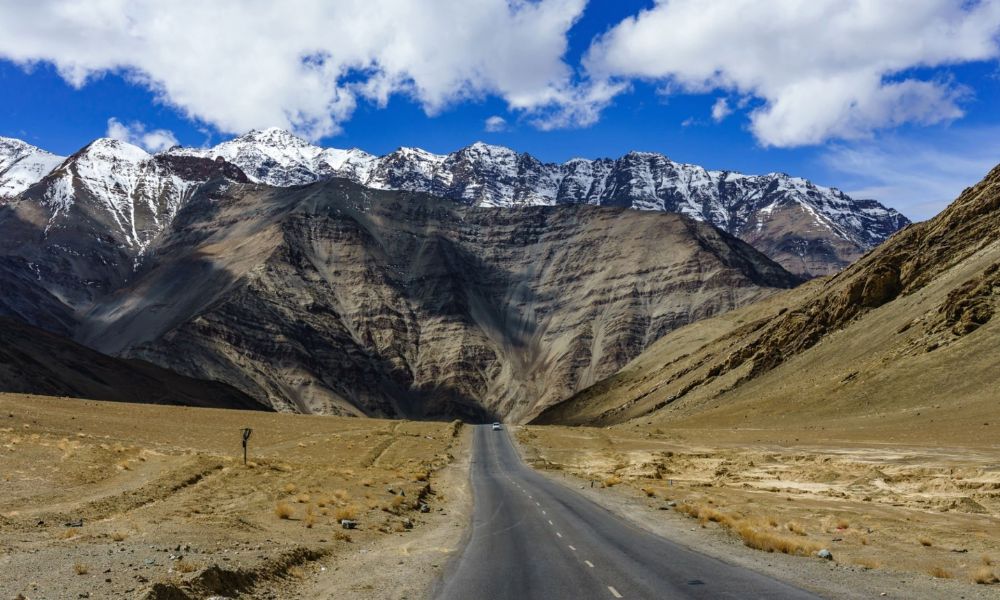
(809, 229)
(22, 164)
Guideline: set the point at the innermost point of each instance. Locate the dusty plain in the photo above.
(109, 500)
(900, 520)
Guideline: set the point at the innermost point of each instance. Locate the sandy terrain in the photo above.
(166, 509)
(901, 520)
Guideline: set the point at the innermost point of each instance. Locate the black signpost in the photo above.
(246, 436)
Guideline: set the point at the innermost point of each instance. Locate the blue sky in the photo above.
(910, 127)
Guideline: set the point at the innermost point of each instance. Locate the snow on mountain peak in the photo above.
(22, 165)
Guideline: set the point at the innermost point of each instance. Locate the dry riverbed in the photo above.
(899, 521)
(107, 500)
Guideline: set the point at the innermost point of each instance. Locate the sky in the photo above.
(897, 100)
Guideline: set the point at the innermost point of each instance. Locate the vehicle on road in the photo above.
(497, 427)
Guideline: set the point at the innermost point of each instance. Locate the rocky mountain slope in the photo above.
(901, 341)
(33, 361)
(810, 230)
(335, 298)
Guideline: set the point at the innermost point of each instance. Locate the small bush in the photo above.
(987, 561)
(612, 481)
(184, 566)
(341, 495)
(939, 573)
(81, 569)
(119, 536)
(924, 541)
(68, 533)
(302, 498)
(290, 488)
(650, 492)
(345, 512)
(795, 528)
(868, 563)
(421, 476)
(773, 542)
(984, 575)
(342, 536)
(283, 510)
(297, 572)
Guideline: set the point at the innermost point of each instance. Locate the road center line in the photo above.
(550, 521)
(614, 592)
(589, 564)
(559, 534)
(572, 548)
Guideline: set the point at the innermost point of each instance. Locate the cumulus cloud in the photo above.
(495, 123)
(721, 110)
(823, 69)
(304, 64)
(156, 140)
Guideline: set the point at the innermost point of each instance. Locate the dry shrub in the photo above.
(939, 573)
(795, 528)
(868, 563)
(302, 498)
(707, 513)
(119, 536)
(772, 521)
(346, 512)
(283, 510)
(984, 575)
(843, 524)
(310, 518)
(124, 465)
(396, 504)
(290, 488)
(341, 495)
(185, 566)
(925, 541)
(342, 536)
(772, 542)
(68, 533)
(421, 476)
(987, 561)
(322, 501)
(650, 492)
(367, 482)
(612, 481)
(81, 569)
(297, 572)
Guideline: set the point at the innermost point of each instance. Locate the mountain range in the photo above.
(811, 230)
(901, 343)
(480, 284)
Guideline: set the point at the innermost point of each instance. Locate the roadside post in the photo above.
(246, 436)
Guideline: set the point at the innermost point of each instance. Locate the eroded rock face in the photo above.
(335, 298)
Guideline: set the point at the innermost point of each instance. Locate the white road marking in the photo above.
(614, 592)
(538, 503)
(550, 521)
(572, 548)
(559, 534)
(589, 564)
(543, 512)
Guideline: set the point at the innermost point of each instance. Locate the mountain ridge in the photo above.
(811, 230)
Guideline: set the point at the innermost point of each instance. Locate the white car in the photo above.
(497, 427)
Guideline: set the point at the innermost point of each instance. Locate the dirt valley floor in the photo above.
(899, 520)
(106, 500)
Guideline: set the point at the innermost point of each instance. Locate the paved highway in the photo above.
(534, 538)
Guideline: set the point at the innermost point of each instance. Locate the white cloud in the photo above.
(495, 123)
(156, 140)
(917, 177)
(720, 110)
(304, 64)
(823, 69)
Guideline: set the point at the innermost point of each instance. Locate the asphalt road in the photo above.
(534, 538)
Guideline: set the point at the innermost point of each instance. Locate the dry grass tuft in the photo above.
(290, 488)
(939, 573)
(612, 481)
(119, 536)
(341, 495)
(987, 561)
(984, 575)
(868, 563)
(925, 541)
(81, 569)
(795, 528)
(650, 492)
(421, 476)
(342, 536)
(310, 518)
(302, 498)
(346, 512)
(283, 510)
(185, 566)
(297, 572)
(769, 541)
(68, 533)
